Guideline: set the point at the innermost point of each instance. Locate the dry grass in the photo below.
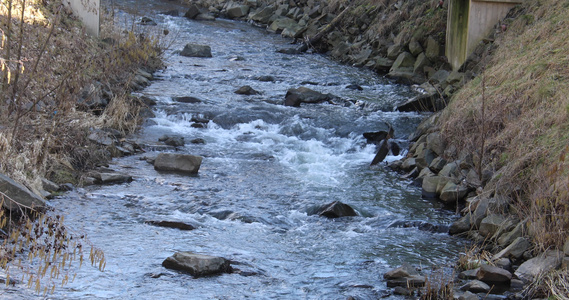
(525, 116)
(41, 127)
(439, 286)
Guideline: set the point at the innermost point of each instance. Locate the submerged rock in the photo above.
(110, 178)
(246, 90)
(336, 209)
(171, 224)
(195, 50)
(197, 264)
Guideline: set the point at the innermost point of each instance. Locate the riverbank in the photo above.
(65, 109)
(497, 152)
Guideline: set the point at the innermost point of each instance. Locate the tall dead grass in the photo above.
(525, 117)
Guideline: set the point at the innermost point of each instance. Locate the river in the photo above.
(265, 167)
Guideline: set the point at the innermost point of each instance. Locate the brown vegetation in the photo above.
(525, 118)
(46, 61)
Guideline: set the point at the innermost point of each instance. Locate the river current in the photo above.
(265, 167)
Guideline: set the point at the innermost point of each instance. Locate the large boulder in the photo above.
(294, 97)
(197, 264)
(18, 196)
(183, 163)
(515, 250)
(195, 50)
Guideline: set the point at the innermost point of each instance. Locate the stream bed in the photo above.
(265, 167)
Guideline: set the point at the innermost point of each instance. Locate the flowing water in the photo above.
(265, 167)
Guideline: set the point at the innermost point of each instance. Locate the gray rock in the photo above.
(246, 90)
(93, 97)
(184, 163)
(476, 286)
(534, 267)
(504, 263)
(429, 187)
(171, 224)
(436, 143)
(424, 158)
(415, 47)
(420, 63)
(461, 225)
(468, 296)
(192, 12)
(197, 264)
(18, 196)
(393, 51)
(491, 274)
(49, 186)
(237, 11)
(491, 224)
(566, 247)
(205, 17)
(187, 99)
(264, 15)
(408, 164)
(508, 238)
(176, 141)
(195, 50)
(110, 178)
(336, 209)
(468, 274)
(480, 212)
(450, 170)
(412, 281)
(382, 64)
(432, 50)
(294, 97)
(437, 164)
(282, 23)
(404, 60)
(452, 192)
(399, 290)
(405, 270)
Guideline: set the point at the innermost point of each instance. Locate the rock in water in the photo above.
(184, 163)
(337, 209)
(381, 153)
(194, 50)
(197, 264)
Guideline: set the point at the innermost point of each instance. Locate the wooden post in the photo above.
(89, 13)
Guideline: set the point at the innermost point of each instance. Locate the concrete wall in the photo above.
(88, 12)
(470, 21)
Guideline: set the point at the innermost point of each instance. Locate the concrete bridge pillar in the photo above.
(89, 13)
(470, 21)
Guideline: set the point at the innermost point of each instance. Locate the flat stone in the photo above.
(404, 270)
(545, 262)
(197, 264)
(508, 238)
(171, 224)
(109, 178)
(516, 249)
(237, 11)
(184, 163)
(18, 195)
(195, 50)
(468, 274)
(476, 286)
(491, 274)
